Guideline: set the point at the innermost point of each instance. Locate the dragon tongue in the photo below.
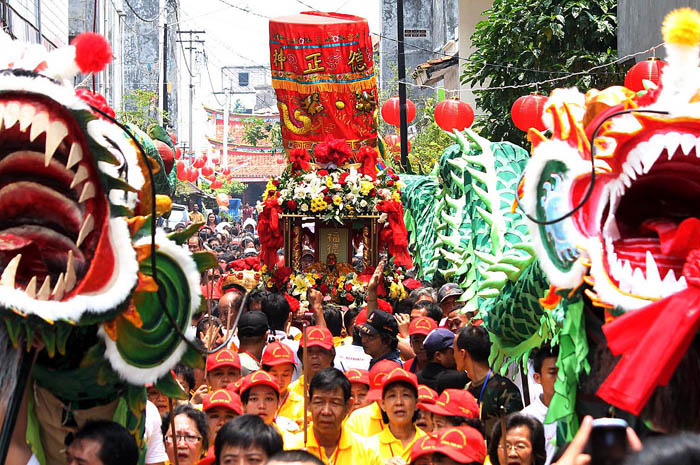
(676, 239)
(12, 245)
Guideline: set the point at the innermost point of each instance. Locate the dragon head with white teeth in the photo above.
(75, 215)
(621, 212)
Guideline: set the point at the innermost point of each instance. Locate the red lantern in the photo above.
(526, 112)
(178, 153)
(391, 111)
(211, 177)
(216, 184)
(199, 162)
(215, 160)
(207, 171)
(649, 69)
(181, 170)
(192, 174)
(393, 141)
(453, 114)
(226, 171)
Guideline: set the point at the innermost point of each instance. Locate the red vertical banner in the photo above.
(323, 75)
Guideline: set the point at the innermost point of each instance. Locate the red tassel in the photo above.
(92, 52)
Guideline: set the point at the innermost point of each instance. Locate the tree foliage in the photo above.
(258, 131)
(527, 41)
(140, 108)
(231, 188)
(430, 141)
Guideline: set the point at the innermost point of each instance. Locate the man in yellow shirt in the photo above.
(278, 361)
(367, 421)
(195, 215)
(321, 354)
(328, 438)
(399, 405)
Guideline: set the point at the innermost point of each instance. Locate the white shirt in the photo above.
(538, 410)
(349, 356)
(155, 449)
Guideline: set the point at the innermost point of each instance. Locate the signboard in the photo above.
(333, 241)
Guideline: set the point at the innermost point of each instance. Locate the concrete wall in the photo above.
(639, 24)
(470, 13)
(439, 19)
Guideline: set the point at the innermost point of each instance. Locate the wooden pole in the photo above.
(26, 360)
(305, 361)
(172, 428)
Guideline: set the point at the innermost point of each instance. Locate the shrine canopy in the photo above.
(323, 75)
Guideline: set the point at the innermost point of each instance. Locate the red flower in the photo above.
(324, 288)
(322, 173)
(299, 160)
(334, 291)
(349, 298)
(372, 193)
(332, 152)
(348, 287)
(327, 199)
(292, 205)
(281, 276)
(275, 182)
(342, 178)
(390, 183)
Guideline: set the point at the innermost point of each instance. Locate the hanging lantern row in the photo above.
(391, 111)
(453, 114)
(527, 110)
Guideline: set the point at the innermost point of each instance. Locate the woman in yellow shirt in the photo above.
(399, 406)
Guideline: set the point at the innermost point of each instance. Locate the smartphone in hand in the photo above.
(608, 444)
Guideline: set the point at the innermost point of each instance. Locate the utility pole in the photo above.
(190, 47)
(402, 87)
(165, 74)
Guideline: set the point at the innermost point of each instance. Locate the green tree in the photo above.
(430, 141)
(527, 41)
(258, 131)
(231, 187)
(140, 107)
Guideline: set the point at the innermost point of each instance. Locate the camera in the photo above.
(607, 444)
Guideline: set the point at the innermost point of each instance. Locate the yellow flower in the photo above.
(396, 196)
(365, 187)
(337, 199)
(318, 204)
(329, 182)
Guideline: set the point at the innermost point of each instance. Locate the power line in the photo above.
(154, 19)
(211, 83)
(243, 9)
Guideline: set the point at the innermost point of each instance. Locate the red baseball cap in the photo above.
(319, 336)
(222, 358)
(223, 398)
(412, 284)
(361, 317)
(454, 403)
(235, 386)
(421, 325)
(355, 375)
(400, 375)
(277, 353)
(423, 446)
(376, 376)
(258, 378)
(462, 444)
(426, 395)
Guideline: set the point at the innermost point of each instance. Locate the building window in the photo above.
(243, 79)
(415, 33)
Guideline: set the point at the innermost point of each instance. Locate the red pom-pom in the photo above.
(92, 52)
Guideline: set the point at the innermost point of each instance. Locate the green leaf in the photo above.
(192, 358)
(180, 238)
(169, 387)
(204, 260)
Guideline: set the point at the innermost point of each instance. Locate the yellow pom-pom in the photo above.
(682, 27)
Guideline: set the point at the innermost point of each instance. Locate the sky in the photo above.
(234, 37)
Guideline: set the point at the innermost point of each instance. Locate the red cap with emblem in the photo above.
(277, 353)
(223, 398)
(376, 377)
(258, 378)
(454, 403)
(423, 446)
(224, 357)
(421, 325)
(426, 395)
(318, 336)
(355, 375)
(462, 444)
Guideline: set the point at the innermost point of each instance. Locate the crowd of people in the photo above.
(409, 384)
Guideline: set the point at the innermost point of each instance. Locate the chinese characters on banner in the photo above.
(323, 74)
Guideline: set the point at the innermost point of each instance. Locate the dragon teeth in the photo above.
(40, 124)
(45, 289)
(80, 176)
(11, 114)
(55, 134)
(88, 192)
(85, 229)
(671, 142)
(70, 272)
(59, 289)
(76, 155)
(31, 288)
(26, 114)
(10, 271)
(687, 143)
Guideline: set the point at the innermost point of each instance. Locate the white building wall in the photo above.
(470, 13)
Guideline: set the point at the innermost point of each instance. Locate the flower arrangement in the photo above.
(335, 191)
(349, 290)
(292, 285)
